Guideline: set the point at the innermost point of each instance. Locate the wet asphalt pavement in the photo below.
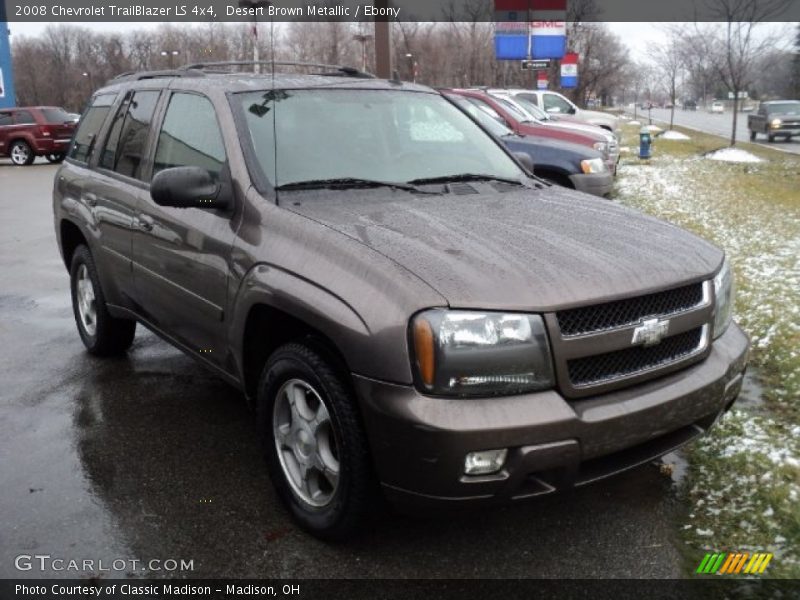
(152, 457)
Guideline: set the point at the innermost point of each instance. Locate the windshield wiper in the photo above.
(349, 182)
(464, 177)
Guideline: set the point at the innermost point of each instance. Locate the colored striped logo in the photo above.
(734, 563)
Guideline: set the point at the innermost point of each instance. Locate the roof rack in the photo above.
(139, 75)
(336, 70)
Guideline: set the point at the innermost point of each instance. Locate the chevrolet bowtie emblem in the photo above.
(650, 332)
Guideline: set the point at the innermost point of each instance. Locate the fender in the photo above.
(365, 349)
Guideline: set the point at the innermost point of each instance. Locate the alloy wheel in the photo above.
(306, 443)
(87, 305)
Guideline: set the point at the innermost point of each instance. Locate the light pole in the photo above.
(363, 38)
(171, 54)
(254, 6)
(413, 66)
(90, 79)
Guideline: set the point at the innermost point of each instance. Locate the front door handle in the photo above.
(145, 222)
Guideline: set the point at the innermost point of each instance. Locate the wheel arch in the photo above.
(70, 237)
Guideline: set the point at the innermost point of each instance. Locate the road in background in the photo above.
(719, 124)
(150, 456)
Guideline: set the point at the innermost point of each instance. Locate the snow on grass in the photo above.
(674, 135)
(734, 155)
(744, 476)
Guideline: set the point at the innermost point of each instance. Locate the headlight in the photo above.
(602, 147)
(466, 353)
(593, 165)
(723, 299)
(776, 123)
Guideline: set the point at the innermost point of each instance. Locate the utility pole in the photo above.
(363, 38)
(383, 42)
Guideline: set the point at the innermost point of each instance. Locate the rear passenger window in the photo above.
(190, 136)
(90, 125)
(6, 119)
(24, 117)
(124, 148)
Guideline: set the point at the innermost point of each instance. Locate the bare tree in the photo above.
(735, 47)
(668, 61)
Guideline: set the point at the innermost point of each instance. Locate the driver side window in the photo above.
(552, 101)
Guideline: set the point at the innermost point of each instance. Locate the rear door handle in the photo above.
(145, 222)
(90, 199)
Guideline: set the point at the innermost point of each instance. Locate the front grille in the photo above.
(591, 370)
(589, 319)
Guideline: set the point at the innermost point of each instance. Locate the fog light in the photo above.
(485, 462)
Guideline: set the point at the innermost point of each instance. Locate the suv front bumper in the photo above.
(419, 442)
(598, 184)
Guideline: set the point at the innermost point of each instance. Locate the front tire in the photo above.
(314, 443)
(102, 334)
(770, 138)
(21, 153)
(55, 158)
(752, 135)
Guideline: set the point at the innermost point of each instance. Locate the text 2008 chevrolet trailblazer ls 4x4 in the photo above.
(405, 306)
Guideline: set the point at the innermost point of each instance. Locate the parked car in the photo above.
(31, 131)
(563, 163)
(775, 118)
(519, 105)
(717, 107)
(408, 311)
(523, 123)
(553, 102)
(689, 105)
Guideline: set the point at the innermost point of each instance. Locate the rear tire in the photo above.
(314, 444)
(102, 334)
(21, 153)
(752, 136)
(770, 138)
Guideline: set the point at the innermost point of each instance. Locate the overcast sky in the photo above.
(637, 36)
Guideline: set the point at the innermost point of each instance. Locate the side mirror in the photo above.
(526, 161)
(188, 187)
(572, 110)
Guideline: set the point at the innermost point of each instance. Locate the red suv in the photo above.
(32, 131)
(520, 125)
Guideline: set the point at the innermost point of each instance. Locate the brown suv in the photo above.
(32, 131)
(405, 306)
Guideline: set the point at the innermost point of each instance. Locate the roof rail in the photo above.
(139, 75)
(339, 70)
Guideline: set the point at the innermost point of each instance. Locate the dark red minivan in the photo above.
(31, 131)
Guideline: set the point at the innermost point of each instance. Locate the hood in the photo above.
(600, 117)
(584, 127)
(524, 249)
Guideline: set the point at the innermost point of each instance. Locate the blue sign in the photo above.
(549, 46)
(8, 97)
(510, 46)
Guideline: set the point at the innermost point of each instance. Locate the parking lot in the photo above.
(152, 457)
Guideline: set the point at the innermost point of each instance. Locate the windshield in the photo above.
(482, 116)
(532, 108)
(377, 135)
(516, 110)
(785, 108)
(56, 115)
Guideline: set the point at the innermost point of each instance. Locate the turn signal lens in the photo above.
(423, 349)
